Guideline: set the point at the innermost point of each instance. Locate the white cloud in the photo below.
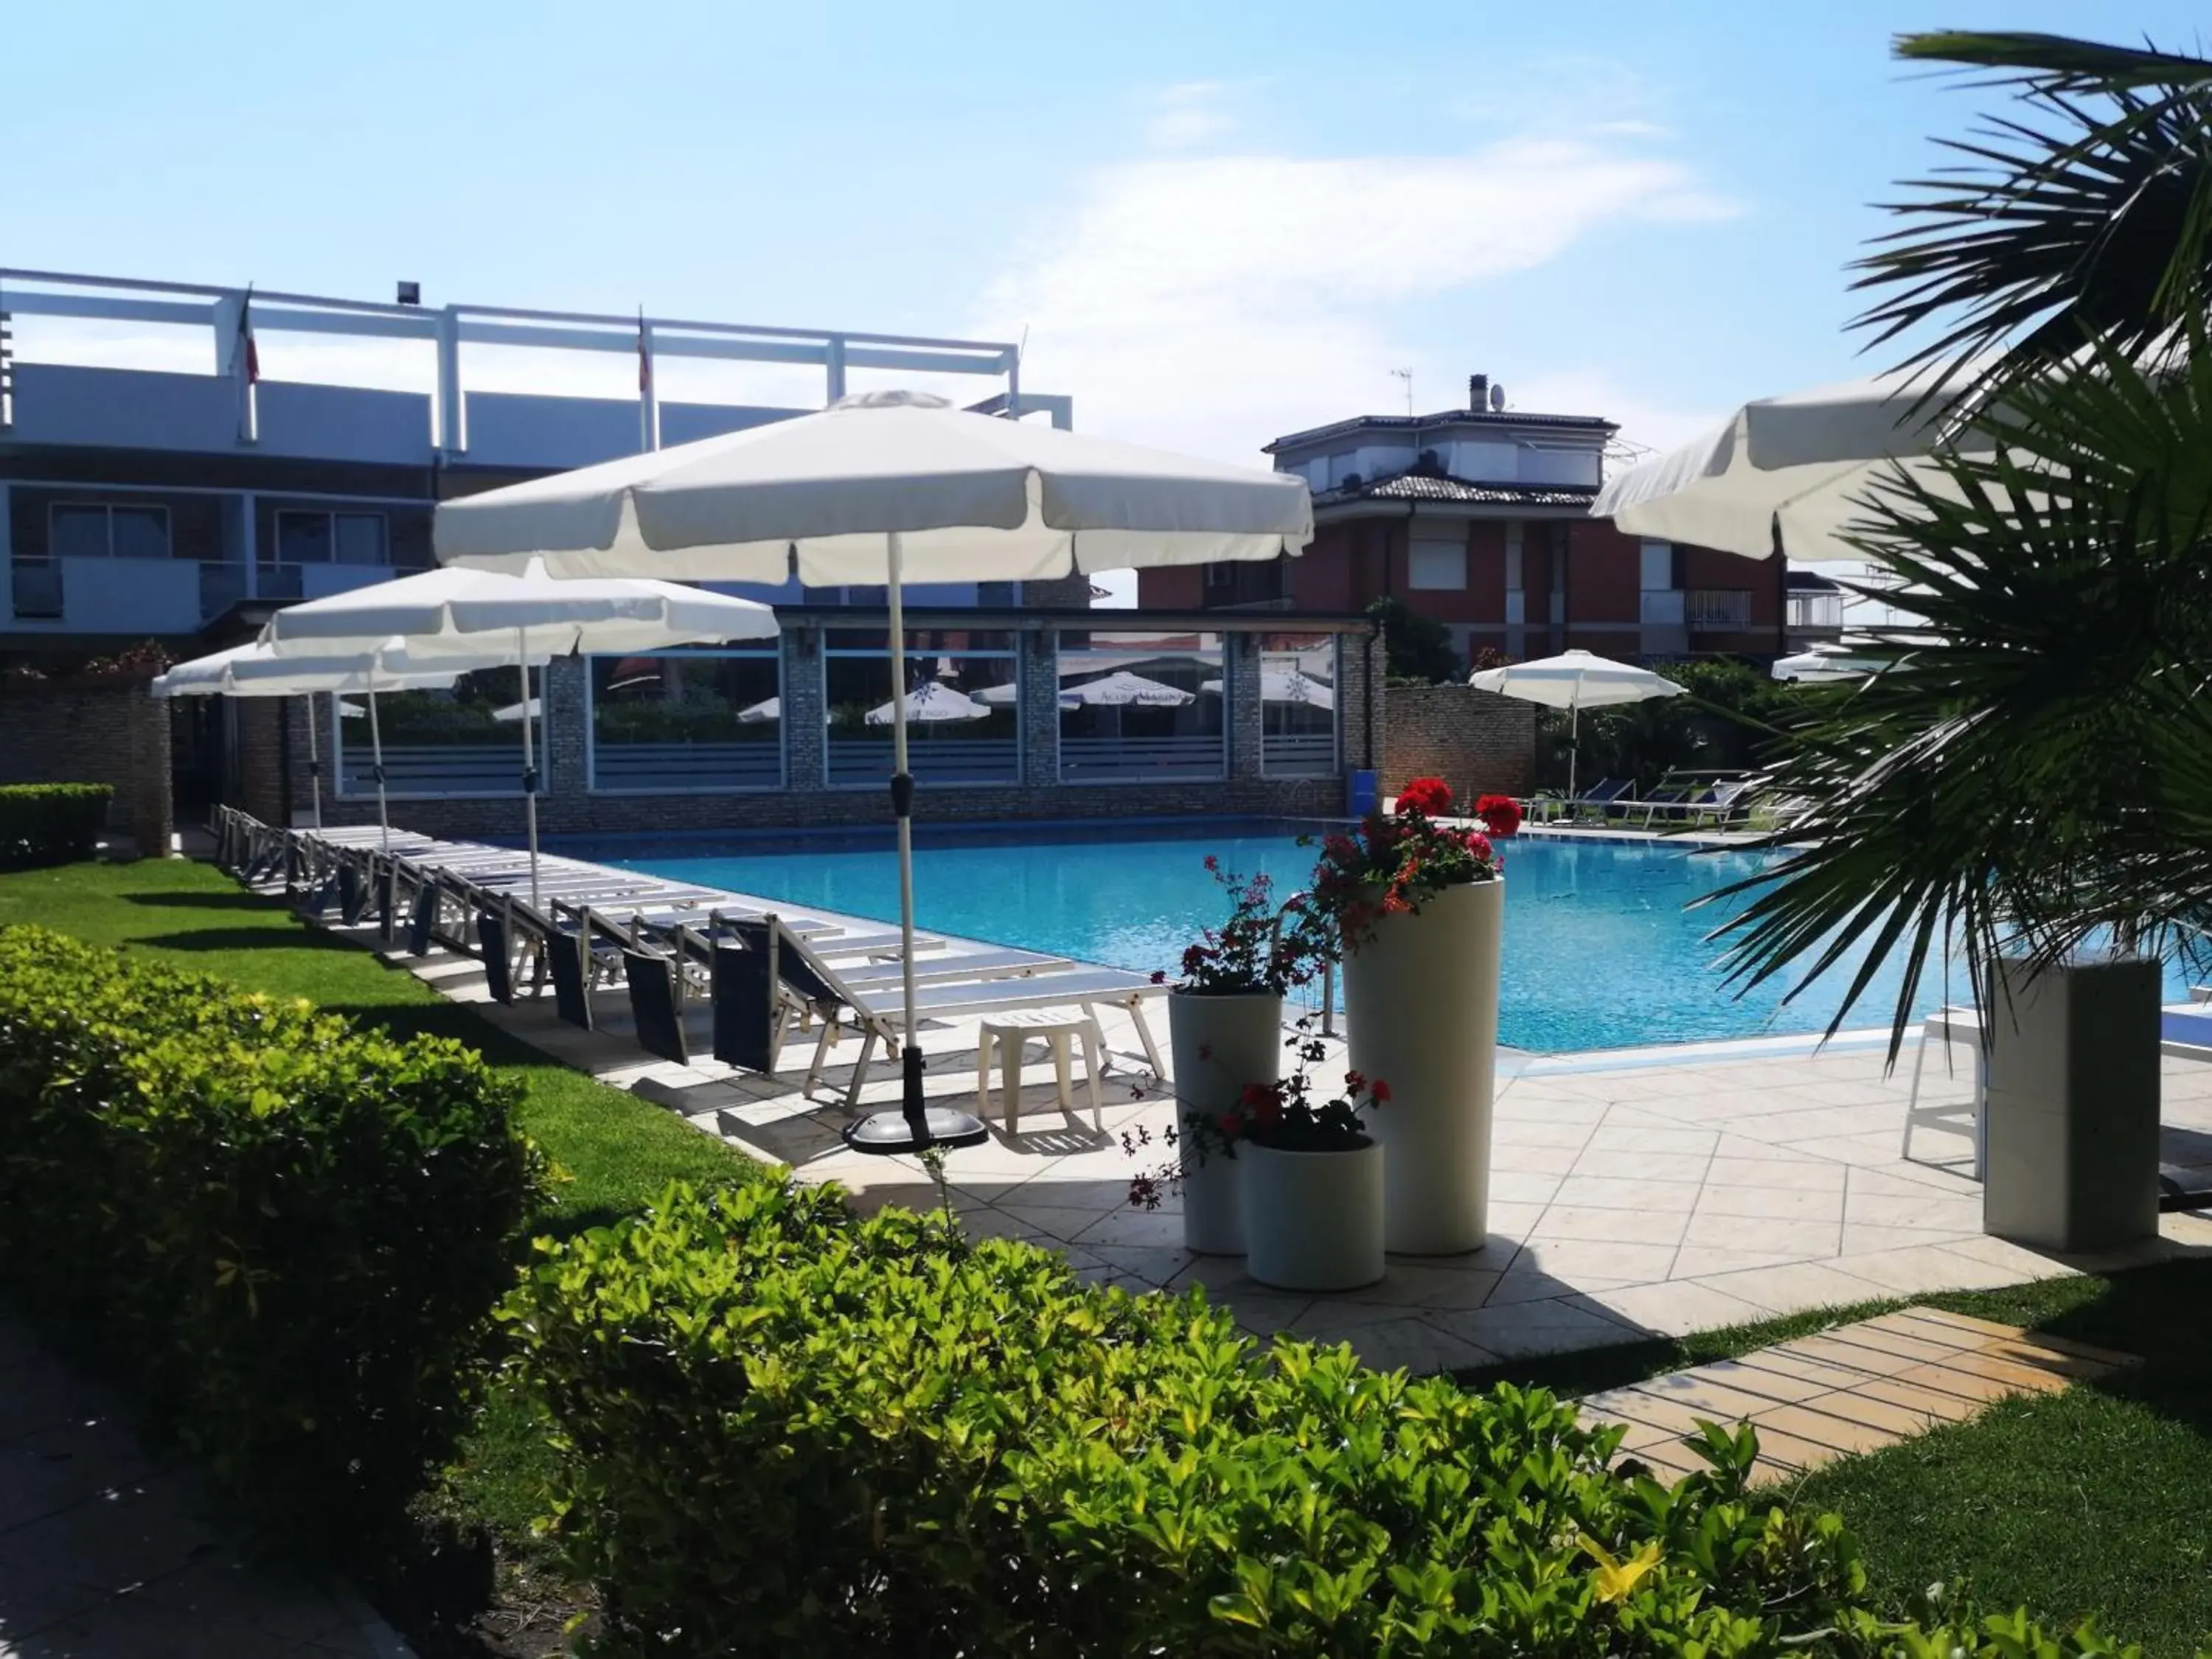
(1212, 303)
(1186, 115)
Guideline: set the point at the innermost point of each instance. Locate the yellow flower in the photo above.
(1617, 1579)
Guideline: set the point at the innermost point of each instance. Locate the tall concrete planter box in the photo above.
(2072, 1106)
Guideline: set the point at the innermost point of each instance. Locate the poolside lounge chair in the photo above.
(773, 976)
(1602, 795)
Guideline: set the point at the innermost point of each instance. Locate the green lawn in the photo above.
(616, 1150)
(2095, 1503)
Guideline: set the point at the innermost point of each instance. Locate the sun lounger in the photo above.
(773, 977)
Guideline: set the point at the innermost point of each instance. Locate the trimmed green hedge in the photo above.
(51, 823)
(284, 1233)
(787, 1431)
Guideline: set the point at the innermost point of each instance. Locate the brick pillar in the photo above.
(1359, 676)
(153, 809)
(1246, 711)
(1039, 678)
(805, 736)
(564, 772)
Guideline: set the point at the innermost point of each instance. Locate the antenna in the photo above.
(1406, 375)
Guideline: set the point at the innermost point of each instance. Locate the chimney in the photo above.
(1478, 392)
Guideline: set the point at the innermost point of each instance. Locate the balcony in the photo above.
(144, 597)
(1717, 611)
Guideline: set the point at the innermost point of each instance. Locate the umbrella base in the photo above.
(887, 1132)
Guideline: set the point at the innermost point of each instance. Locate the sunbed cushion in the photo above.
(744, 1010)
(653, 1004)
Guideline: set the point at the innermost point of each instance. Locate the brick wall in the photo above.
(1475, 741)
(107, 731)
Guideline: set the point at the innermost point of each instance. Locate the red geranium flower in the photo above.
(1500, 814)
(1427, 796)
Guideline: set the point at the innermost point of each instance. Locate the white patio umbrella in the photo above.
(255, 670)
(769, 708)
(508, 713)
(1285, 686)
(1793, 469)
(886, 487)
(929, 702)
(1574, 681)
(472, 614)
(1835, 660)
(1122, 690)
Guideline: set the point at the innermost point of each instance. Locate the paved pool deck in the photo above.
(1652, 1191)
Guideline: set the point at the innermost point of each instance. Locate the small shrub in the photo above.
(783, 1430)
(284, 1233)
(51, 823)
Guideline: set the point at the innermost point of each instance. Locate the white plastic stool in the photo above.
(1011, 1033)
(1948, 1026)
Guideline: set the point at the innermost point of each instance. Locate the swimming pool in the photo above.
(1599, 952)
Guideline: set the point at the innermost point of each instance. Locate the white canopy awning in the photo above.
(972, 498)
(475, 613)
(1796, 466)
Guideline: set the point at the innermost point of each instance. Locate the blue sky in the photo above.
(1215, 223)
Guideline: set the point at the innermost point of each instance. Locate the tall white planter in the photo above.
(2071, 1112)
(1218, 1044)
(1421, 1007)
(1314, 1221)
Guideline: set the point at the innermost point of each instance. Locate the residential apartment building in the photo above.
(1480, 519)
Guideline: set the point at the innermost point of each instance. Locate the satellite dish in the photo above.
(1497, 400)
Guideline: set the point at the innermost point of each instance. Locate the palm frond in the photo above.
(2057, 62)
(2034, 772)
(2087, 220)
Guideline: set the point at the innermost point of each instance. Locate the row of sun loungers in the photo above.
(696, 963)
(1680, 802)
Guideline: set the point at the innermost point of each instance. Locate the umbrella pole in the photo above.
(916, 1126)
(916, 1116)
(376, 769)
(1574, 742)
(529, 763)
(314, 768)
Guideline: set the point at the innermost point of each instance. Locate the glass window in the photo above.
(77, 533)
(687, 721)
(1437, 565)
(963, 717)
(303, 537)
(86, 531)
(1298, 705)
(1141, 707)
(359, 537)
(139, 532)
(1656, 566)
(466, 741)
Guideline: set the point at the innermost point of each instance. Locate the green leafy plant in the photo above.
(284, 1234)
(1417, 650)
(51, 823)
(782, 1429)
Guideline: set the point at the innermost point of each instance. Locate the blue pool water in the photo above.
(1599, 951)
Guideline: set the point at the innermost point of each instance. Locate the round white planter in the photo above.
(1421, 1008)
(1313, 1221)
(1218, 1044)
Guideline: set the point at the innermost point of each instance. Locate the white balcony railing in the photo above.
(1148, 760)
(1718, 609)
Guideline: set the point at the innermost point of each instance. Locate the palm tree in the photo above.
(2036, 768)
(2083, 216)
